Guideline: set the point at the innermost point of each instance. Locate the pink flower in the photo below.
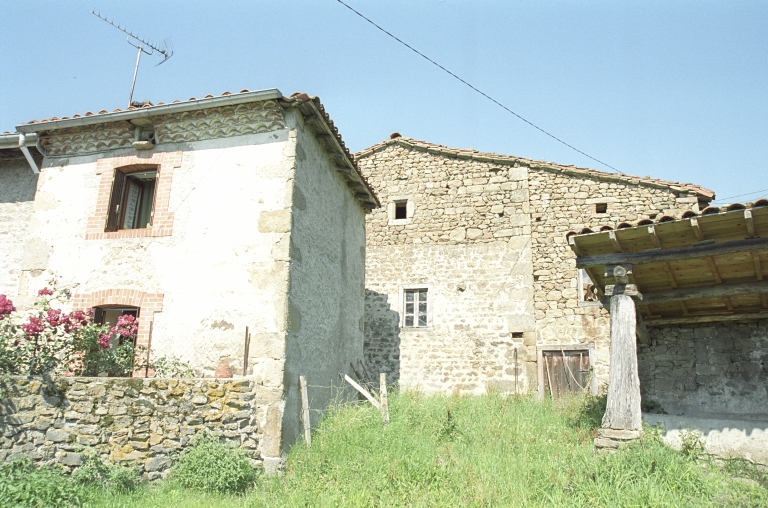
(6, 306)
(104, 340)
(34, 327)
(44, 292)
(54, 318)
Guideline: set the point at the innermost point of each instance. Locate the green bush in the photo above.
(94, 472)
(214, 467)
(23, 485)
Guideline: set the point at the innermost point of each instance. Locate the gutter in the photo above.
(148, 112)
(21, 141)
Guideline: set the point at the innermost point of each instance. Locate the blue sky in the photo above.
(674, 90)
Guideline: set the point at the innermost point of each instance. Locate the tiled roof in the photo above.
(471, 153)
(300, 100)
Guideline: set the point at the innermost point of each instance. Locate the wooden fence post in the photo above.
(363, 391)
(383, 396)
(246, 351)
(305, 409)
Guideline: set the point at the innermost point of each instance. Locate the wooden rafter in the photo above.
(614, 241)
(713, 269)
(758, 266)
(704, 319)
(696, 228)
(719, 291)
(654, 237)
(680, 254)
(749, 223)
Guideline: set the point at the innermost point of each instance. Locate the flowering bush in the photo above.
(51, 340)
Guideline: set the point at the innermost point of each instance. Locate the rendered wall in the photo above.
(220, 270)
(144, 422)
(17, 194)
(468, 240)
(710, 371)
(327, 276)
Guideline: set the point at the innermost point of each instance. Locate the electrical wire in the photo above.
(740, 195)
(478, 90)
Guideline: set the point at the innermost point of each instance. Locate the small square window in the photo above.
(416, 312)
(132, 202)
(601, 207)
(517, 335)
(401, 210)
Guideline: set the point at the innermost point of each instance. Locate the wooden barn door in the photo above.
(565, 371)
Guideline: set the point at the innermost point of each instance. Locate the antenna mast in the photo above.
(141, 45)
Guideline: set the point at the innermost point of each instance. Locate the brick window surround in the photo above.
(148, 303)
(162, 221)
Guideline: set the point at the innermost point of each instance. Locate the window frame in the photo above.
(122, 182)
(410, 209)
(589, 347)
(401, 309)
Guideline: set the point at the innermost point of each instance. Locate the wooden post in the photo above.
(363, 391)
(383, 396)
(622, 420)
(149, 349)
(246, 351)
(305, 411)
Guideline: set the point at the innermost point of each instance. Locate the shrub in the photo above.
(171, 366)
(22, 485)
(94, 472)
(214, 467)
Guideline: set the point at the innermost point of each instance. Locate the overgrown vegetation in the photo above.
(213, 467)
(456, 451)
(95, 473)
(23, 485)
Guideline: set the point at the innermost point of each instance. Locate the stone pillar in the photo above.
(622, 421)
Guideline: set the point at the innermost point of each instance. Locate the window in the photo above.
(601, 207)
(565, 369)
(401, 210)
(131, 205)
(415, 306)
(108, 316)
(587, 290)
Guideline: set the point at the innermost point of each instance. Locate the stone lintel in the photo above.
(621, 434)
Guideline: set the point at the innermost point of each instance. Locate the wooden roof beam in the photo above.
(678, 295)
(713, 269)
(654, 237)
(696, 228)
(764, 300)
(688, 320)
(614, 241)
(749, 223)
(680, 254)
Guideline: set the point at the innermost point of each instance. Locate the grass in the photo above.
(472, 451)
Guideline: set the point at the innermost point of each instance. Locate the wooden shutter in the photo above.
(98, 315)
(113, 215)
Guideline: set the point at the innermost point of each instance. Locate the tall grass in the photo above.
(472, 451)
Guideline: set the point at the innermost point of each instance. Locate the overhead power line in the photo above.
(478, 90)
(740, 195)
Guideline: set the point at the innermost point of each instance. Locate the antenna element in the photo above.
(141, 45)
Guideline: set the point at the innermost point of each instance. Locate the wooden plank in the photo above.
(654, 238)
(661, 256)
(384, 399)
(677, 295)
(246, 350)
(363, 391)
(672, 281)
(758, 266)
(696, 228)
(713, 269)
(689, 320)
(614, 241)
(305, 409)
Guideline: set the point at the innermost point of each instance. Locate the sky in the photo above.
(669, 89)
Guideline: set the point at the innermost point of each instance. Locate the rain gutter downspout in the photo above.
(27, 155)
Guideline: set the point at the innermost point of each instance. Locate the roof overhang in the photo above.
(701, 268)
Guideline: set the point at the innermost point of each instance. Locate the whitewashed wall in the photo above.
(17, 194)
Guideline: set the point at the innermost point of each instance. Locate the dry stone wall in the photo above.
(145, 422)
(466, 238)
(706, 370)
(466, 215)
(561, 202)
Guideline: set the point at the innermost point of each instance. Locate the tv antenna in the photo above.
(142, 46)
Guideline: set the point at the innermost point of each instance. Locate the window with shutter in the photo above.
(132, 200)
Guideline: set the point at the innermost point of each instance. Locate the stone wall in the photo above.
(17, 193)
(706, 370)
(466, 238)
(563, 201)
(145, 422)
(494, 226)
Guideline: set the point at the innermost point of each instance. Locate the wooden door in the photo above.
(565, 371)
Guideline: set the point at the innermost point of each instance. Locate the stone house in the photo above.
(470, 281)
(205, 218)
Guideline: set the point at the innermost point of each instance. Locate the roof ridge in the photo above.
(397, 139)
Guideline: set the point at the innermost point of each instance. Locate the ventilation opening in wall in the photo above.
(601, 207)
(517, 335)
(401, 209)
